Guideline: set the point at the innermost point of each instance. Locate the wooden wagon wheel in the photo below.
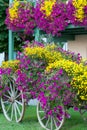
(50, 123)
(12, 102)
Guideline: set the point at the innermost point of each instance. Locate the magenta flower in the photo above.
(25, 20)
(55, 23)
(76, 109)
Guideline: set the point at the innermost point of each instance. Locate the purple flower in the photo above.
(76, 109)
(55, 23)
(25, 20)
(50, 112)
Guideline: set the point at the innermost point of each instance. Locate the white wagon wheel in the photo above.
(12, 102)
(50, 123)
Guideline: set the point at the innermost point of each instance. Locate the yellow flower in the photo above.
(48, 53)
(13, 64)
(47, 6)
(79, 6)
(13, 10)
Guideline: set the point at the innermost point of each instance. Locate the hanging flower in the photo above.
(51, 16)
(77, 12)
(47, 6)
(20, 16)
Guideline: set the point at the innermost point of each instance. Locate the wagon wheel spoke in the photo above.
(5, 101)
(50, 122)
(11, 88)
(43, 118)
(18, 108)
(16, 92)
(15, 110)
(41, 111)
(9, 92)
(20, 103)
(17, 96)
(8, 108)
(12, 110)
(54, 122)
(12, 102)
(47, 121)
(6, 96)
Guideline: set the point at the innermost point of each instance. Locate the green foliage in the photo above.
(3, 30)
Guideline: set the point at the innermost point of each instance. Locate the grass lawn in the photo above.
(30, 121)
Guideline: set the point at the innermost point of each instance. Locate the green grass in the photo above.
(30, 122)
(76, 122)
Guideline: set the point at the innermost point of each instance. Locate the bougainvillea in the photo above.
(20, 16)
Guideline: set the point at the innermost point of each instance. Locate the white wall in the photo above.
(79, 45)
(1, 57)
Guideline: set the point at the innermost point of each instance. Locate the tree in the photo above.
(3, 29)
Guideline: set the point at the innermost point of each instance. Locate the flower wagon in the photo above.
(57, 78)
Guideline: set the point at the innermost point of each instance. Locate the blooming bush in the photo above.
(20, 16)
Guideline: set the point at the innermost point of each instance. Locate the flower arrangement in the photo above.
(20, 16)
(77, 12)
(50, 73)
(78, 74)
(51, 16)
(54, 16)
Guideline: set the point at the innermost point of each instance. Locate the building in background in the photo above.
(79, 45)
